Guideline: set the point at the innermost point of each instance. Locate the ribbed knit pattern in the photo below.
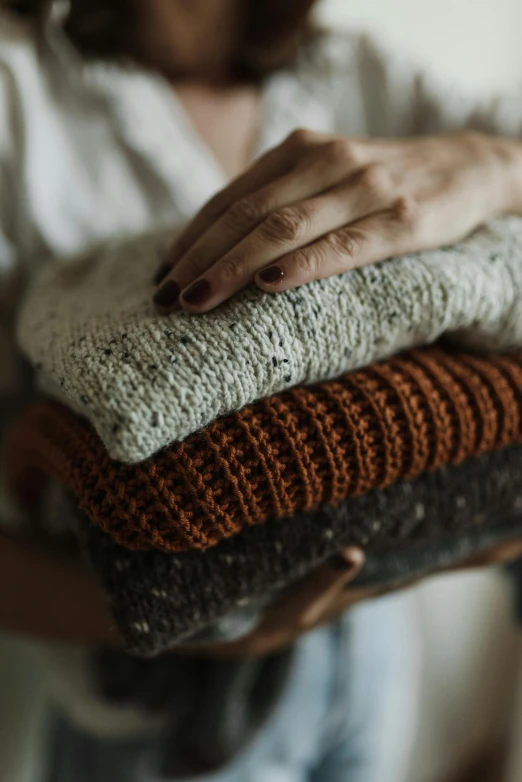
(290, 453)
(143, 381)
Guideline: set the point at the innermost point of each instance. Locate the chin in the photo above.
(149, 35)
(179, 66)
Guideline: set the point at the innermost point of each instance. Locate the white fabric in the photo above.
(92, 152)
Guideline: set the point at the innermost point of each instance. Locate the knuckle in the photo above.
(341, 152)
(285, 225)
(232, 267)
(345, 242)
(406, 211)
(301, 139)
(245, 213)
(196, 263)
(305, 261)
(374, 181)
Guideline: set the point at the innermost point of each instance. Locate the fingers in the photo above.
(357, 244)
(305, 165)
(317, 598)
(501, 554)
(262, 220)
(223, 250)
(275, 232)
(268, 168)
(333, 588)
(314, 594)
(313, 207)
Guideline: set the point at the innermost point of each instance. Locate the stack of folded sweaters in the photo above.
(214, 460)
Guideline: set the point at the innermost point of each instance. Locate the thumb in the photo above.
(333, 578)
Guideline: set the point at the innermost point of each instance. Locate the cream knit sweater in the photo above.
(144, 380)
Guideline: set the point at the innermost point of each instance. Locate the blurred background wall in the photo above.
(472, 652)
(476, 42)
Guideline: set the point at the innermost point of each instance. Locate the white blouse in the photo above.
(92, 151)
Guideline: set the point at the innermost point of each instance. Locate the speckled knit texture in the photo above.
(143, 381)
(157, 598)
(287, 454)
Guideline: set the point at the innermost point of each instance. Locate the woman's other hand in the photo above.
(319, 205)
(324, 595)
(315, 600)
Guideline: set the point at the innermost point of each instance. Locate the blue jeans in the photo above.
(347, 715)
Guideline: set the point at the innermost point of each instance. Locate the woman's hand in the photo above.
(319, 205)
(318, 598)
(324, 595)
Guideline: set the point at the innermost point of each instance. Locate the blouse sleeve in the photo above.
(8, 157)
(10, 185)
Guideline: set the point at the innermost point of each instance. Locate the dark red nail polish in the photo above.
(162, 272)
(272, 275)
(167, 296)
(197, 293)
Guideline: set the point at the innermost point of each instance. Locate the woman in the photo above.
(119, 115)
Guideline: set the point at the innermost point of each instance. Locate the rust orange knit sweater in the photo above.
(287, 453)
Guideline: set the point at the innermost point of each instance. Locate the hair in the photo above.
(271, 37)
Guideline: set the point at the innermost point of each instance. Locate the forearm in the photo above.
(506, 156)
(46, 595)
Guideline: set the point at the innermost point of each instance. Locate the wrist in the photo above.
(506, 158)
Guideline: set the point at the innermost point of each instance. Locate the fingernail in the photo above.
(348, 559)
(272, 275)
(162, 272)
(197, 293)
(168, 295)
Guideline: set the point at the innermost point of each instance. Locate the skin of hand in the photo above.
(49, 595)
(319, 205)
